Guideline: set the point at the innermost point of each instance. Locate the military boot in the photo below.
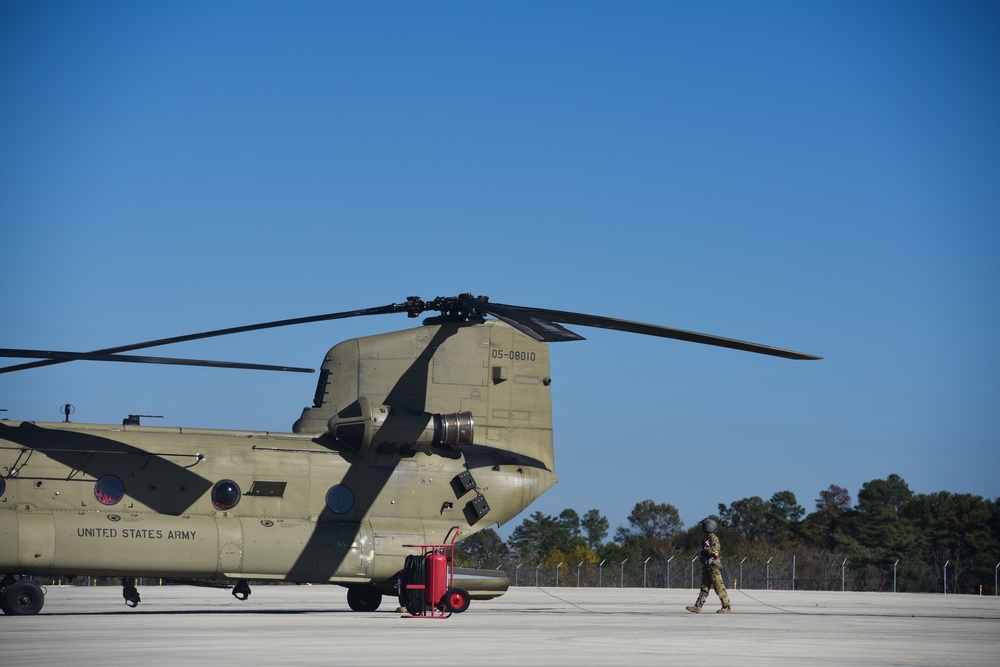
(694, 609)
(725, 610)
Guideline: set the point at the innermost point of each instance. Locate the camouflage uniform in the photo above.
(711, 573)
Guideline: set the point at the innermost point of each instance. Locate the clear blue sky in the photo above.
(822, 176)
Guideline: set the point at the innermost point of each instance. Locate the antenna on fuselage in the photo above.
(133, 420)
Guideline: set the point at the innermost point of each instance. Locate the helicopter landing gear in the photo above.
(241, 591)
(21, 598)
(363, 598)
(129, 592)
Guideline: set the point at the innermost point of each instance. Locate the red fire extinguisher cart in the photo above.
(427, 589)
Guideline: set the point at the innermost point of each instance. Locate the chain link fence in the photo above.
(819, 571)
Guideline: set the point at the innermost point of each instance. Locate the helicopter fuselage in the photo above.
(56, 518)
(411, 433)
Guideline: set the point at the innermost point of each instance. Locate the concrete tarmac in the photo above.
(312, 625)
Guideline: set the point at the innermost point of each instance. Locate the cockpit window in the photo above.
(109, 490)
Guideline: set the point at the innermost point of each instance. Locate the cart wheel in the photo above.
(456, 600)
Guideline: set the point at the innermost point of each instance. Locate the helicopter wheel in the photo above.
(22, 598)
(456, 600)
(363, 598)
(413, 599)
(242, 590)
(130, 592)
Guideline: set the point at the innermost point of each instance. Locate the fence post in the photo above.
(946, 576)
(692, 570)
(793, 572)
(557, 574)
(767, 574)
(995, 579)
(517, 574)
(578, 566)
(621, 582)
(600, 574)
(672, 557)
(741, 572)
(644, 571)
(894, 575)
(843, 567)
(536, 574)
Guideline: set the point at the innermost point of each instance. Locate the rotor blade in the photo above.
(525, 321)
(60, 356)
(542, 314)
(538, 323)
(391, 308)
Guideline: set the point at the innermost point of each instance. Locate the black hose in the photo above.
(413, 598)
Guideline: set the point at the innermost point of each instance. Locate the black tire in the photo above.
(456, 600)
(22, 598)
(363, 598)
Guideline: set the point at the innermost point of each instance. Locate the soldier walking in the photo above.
(711, 569)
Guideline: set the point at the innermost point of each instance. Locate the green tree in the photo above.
(569, 520)
(535, 536)
(652, 521)
(746, 517)
(892, 491)
(825, 527)
(483, 550)
(956, 528)
(595, 525)
(782, 516)
(614, 553)
(540, 534)
(652, 528)
(880, 532)
(753, 518)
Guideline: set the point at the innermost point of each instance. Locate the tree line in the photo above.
(929, 536)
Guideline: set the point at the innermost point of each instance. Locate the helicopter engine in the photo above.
(364, 427)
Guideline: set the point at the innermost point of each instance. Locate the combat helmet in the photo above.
(709, 525)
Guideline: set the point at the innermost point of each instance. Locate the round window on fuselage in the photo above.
(109, 490)
(226, 494)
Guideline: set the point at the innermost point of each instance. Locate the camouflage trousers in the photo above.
(711, 578)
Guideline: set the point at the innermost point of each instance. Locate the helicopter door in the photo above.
(37, 540)
(230, 546)
(342, 550)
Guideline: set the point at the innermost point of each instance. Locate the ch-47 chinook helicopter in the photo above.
(411, 433)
